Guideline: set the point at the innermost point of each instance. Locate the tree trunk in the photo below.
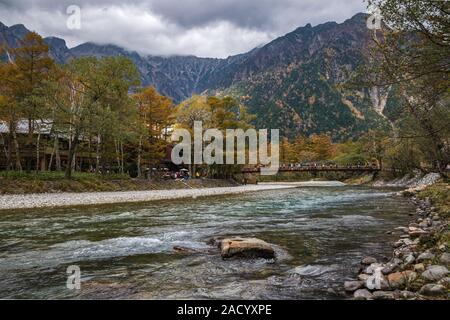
(74, 162)
(17, 150)
(122, 169)
(50, 162)
(29, 146)
(116, 146)
(90, 153)
(7, 152)
(97, 154)
(55, 151)
(38, 140)
(57, 156)
(70, 159)
(139, 157)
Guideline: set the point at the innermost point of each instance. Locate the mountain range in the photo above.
(291, 83)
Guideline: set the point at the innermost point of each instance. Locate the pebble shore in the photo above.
(418, 269)
(45, 200)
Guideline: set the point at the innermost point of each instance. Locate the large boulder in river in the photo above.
(246, 248)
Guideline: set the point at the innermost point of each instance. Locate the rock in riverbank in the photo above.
(432, 289)
(353, 285)
(363, 294)
(435, 273)
(245, 248)
(415, 182)
(416, 186)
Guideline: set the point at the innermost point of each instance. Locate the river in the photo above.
(126, 251)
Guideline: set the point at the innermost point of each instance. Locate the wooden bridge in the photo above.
(320, 168)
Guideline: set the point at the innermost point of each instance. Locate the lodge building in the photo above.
(53, 148)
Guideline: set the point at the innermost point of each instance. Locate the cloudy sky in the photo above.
(206, 28)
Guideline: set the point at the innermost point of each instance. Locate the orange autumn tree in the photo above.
(323, 147)
(304, 149)
(32, 69)
(155, 117)
(9, 114)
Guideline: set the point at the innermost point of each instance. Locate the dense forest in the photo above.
(91, 114)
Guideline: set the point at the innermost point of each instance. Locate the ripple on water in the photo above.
(313, 270)
(77, 250)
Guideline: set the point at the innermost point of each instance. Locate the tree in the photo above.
(304, 150)
(228, 113)
(155, 113)
(375, 144)
(10, 113)
(109, 84)
(89, 96)
(287, 152)
(220, 113)
(410, 55)
(69, 95)
(187, 113)
(193, 109)
(32, 68)
(350, 153)
(322, 146)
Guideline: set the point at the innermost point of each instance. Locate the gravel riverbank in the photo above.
(42, 200)
(418, 268)
(308, 183)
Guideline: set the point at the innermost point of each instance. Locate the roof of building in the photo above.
(40, 126)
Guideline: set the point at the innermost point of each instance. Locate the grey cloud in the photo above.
(215, 28)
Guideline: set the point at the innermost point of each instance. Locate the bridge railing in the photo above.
(306, 168)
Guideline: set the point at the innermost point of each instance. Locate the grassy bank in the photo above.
(439, 197)
(21, 183)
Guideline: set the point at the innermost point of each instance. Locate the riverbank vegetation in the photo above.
(439, 196)
(92, 115)
(408, 59)
(14, 182)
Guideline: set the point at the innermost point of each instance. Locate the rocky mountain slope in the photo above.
(292, 83)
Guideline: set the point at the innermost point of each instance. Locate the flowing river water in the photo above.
(126, 251)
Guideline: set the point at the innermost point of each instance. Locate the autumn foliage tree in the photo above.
(32, 66)
(155, 115)
(317, 148)
(220, 113)
(10, 114)
(89, 101)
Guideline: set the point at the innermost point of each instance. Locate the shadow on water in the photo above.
(126, 250)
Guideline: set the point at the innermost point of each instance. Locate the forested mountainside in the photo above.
(292, 83)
